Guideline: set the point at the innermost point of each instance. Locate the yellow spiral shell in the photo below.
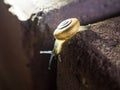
(67, 29)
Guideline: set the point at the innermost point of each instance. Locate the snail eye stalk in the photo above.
(51, 57)
(45, 52)
(50, 61)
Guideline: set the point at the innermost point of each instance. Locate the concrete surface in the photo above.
(24, 9)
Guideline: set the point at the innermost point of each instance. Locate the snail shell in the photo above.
(67, 29)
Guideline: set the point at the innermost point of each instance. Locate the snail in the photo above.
(64, 31)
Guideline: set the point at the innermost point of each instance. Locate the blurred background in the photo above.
(26, 28)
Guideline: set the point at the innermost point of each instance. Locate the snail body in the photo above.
(58, 46)
(64, 31)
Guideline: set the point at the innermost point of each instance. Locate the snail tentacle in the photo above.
(51, 57)
(45, 52)
(50, 61)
